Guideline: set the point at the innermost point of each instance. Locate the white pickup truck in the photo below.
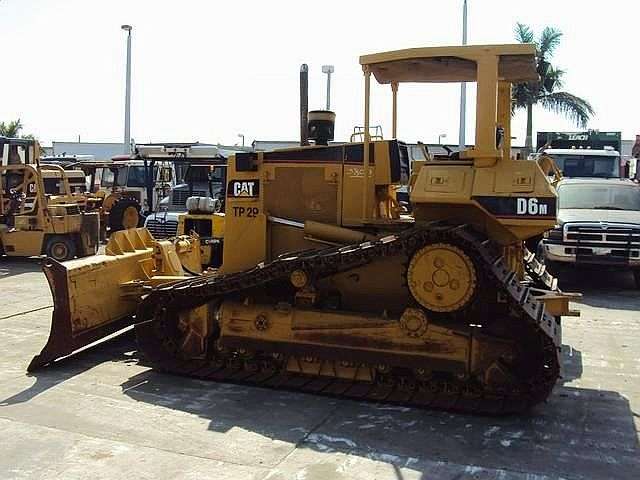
(598, 225)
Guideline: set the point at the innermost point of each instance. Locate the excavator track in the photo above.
(158, 318)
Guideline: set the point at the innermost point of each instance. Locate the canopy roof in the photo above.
(517, 63)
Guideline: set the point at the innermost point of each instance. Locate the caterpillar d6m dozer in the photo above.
(326, 287)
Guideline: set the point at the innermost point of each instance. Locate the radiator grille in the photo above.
(603, 234)
(179, 197)
(162, 229)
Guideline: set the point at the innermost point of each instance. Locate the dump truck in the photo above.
(34, 222)
(326, 287)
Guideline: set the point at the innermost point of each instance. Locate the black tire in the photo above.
(121, 214)
(61, 248)
(636, 277)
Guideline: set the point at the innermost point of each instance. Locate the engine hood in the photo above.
(609, 216)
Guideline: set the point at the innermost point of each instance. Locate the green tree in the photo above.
(11, 129)
(547, 91)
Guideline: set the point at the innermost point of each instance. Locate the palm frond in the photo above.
(553, 80)
(574, 108)
(523, 33)
(549, 41)
(521, 96)
(11, 129)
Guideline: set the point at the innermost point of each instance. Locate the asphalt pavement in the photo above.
(102, 414)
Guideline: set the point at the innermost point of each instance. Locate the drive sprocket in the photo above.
(442, 277)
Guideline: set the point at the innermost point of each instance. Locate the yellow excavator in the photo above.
(326, 286)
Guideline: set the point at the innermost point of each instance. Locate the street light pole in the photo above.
(328, 69)
(127, 99)
(463, 86)
(440, 137)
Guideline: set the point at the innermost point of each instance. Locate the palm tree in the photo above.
(545, 91)
(11, 129)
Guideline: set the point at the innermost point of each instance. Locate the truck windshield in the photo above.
(604, 197)
(133, 176)
(106, 177)
(197, 174)
(588, 165)
(217, 176)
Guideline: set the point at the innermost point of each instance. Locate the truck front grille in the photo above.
(179, 197)
(602, 234)
(162, 229)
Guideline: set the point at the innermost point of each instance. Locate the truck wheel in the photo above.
(61, 248)
(124, 214)
(636, 277)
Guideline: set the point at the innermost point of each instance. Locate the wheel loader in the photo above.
(117, 190)
(33, 222)
(326, 287)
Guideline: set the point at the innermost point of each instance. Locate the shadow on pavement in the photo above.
(602, 288)
(113, 350)
(579, 433)
(11, 266)
(571, 364)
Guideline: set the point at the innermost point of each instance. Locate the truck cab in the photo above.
(588, 154)
(201, 171)
(573, 162)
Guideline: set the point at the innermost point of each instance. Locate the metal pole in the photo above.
(366, 146)
(328, 69)
(394, 108)
(463, 86)
(127, 100)
(329, 91)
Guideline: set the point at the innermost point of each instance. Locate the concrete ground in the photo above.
(102, 415)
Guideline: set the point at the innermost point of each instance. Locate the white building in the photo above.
(99, 150)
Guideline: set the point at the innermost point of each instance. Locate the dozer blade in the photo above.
(95, 296)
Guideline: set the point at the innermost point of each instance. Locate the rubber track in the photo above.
(159, 310)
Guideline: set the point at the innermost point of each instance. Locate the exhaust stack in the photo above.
(304, 104)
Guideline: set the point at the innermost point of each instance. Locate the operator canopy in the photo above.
(516, 63)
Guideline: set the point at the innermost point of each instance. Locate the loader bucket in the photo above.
(95, 296)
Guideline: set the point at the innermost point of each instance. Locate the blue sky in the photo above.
(205, 70)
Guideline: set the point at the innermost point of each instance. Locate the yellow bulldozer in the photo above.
(34, 221)
(326, 286)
